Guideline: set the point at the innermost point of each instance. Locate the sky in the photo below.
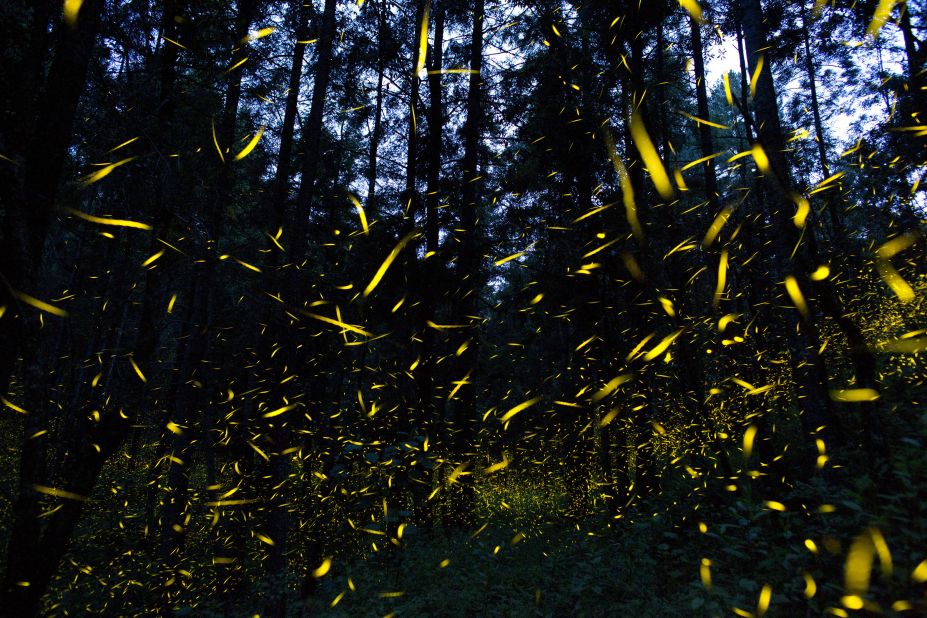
(722, 58)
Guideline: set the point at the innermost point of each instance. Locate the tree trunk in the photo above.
(815, 106)
(292, 355)
(466, 415)
(410, 198)
(29, 205)
(704, 131)
(184, 405)
(435, 134)
(915, 60)
(377, 133)
(278, 521)
(430, 281)
(198, 329)
(312, 133)
(662, 103)
(79, 480)
(285, 155)
(806, 363)
(28, 217)
(836, 223)
(742, 104)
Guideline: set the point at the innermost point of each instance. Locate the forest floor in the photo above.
(524, 563)
(694, 550)
(721, 556)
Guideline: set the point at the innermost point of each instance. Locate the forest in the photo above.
(463, 308)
